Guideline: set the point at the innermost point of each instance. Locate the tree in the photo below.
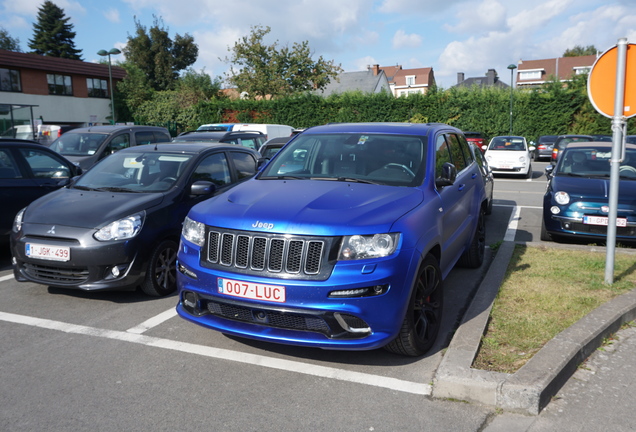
(52, 33)
(158, 56)
(580, 51)
(7, 42)
(263, 70)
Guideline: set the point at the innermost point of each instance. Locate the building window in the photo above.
(526, 75)
(59, 84)
(410, 80)
(10, 80)
(97, 87)
(582, 70)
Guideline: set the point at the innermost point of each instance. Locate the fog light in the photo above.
(555, 210)
(360, 292)
(190, 299)
(114, 271)
(566, 226)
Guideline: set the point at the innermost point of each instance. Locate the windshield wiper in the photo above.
(115, 189)
(345, 179)
(282, 177)
(86, 188)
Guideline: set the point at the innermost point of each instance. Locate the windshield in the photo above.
(142, 171)
(507, 143)
(594, 162)
(78, 144)
(397, 160)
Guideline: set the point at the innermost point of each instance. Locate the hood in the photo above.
(311, 207)
(593, 188)
(87, 209)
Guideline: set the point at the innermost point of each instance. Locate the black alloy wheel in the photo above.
(161, 275)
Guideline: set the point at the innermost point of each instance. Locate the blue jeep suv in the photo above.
(341, 242)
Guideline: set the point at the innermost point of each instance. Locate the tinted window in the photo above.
(213, 168)
(457, 153)
(44, 165)
(145, 137)
(8, 166)
(161, 137)
(245, 164)
(118, 143)
(442, 155)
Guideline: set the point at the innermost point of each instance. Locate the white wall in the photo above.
(62, 109)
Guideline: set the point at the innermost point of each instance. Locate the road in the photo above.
(121, 361)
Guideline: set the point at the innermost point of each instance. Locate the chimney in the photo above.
(460, 77)
(491, 75)
(376, 70)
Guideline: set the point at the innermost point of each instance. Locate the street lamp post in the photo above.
(102, 53)
(512, 68)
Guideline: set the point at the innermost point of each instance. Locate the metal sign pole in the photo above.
(618, 122)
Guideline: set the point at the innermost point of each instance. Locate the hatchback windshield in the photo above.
(78, 144)
(594, 162)
(507, 143)
(397, 160)
(149, 171)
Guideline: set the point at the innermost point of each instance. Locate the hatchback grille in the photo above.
(303, 257)
(56, 275)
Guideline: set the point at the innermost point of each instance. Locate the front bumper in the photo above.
(91, 262)
(309, 316)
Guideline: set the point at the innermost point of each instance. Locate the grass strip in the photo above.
(545, 291)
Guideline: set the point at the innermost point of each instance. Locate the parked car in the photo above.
(631, 139)
(349, 250)
(476, 138)
(575, 204)
(28, 170)
(544, 147)
(49, 133)
(216, 127)
(87, 146)
(486, 173)
(562, 141)
(249, 139)
(510, 155)
(272, 146)
(269, 130)
(117, 226)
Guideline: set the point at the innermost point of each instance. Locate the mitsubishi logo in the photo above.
(52, 230)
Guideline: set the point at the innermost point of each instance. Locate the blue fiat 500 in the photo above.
(576, 201)
(341, 242)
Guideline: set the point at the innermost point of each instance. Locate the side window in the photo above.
(119, 142)
(468, 155)
(248, 142)
(144, 137)
(442, 155)
(213, 168)
(44, 165)
(245, 164)
(161, 137)
(457, 154)
(8, 167)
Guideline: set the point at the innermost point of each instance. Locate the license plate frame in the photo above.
(603, 221)
(47, 252)
(251, 291)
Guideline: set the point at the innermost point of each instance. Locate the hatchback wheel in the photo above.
(161, 275)
(474, 255)
(424, 314)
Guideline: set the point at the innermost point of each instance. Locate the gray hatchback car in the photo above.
(87, 146)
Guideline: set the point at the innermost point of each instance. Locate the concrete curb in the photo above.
(529, 389)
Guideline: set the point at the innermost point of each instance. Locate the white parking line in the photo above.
(7, 277)
(218, 353)
(153, 322)
(512, 224)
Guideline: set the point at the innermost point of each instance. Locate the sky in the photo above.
(451, 36)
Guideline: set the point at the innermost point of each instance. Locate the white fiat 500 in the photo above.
(510, 155)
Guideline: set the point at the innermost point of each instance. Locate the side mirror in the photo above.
(548, 171)
(202, 187)
(448, 176)
(484, 147)
(532, 148)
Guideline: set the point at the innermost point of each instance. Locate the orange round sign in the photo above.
(601, 84)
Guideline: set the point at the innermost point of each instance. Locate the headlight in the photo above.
(522, 159)
(121, 229)
(17, 221)
(368, 246)
(562, 198)
(193, 231)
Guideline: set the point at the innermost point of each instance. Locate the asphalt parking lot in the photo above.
(75, 360)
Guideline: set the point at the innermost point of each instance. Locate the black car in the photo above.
(544, 147)
(562, 141)
(28, 170)
(117, 226)
(249, 139)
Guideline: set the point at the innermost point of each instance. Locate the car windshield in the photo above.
(594, 162)
(78, 144)
(397, 160)
(142, 171)
(507, 143)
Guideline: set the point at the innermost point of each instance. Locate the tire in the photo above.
(424, 313)
(473, 257)
(529, 173)
(545, 235)
(161, 274)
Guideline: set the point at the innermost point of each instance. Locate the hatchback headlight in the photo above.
(122, 229)
(368, 246)
(193, 231)
(17, 221)
(522, 159)
(562, 198)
